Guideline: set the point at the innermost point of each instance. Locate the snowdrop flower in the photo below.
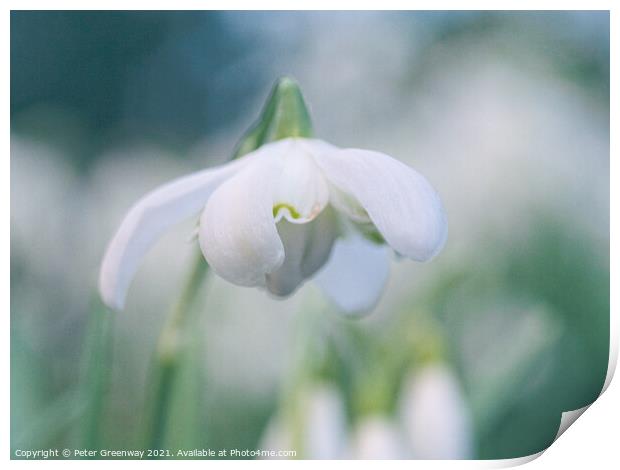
(271, 218)
(435, 415)
(377, 438)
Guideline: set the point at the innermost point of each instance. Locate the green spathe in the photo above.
(284, 115)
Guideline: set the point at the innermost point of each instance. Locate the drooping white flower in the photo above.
(435, 415)
(272, 217)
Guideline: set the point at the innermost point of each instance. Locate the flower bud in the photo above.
(285, 114)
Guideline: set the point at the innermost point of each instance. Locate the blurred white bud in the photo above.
(324, 426)
(435, 415)
(276, 437)
(377, 438)
(326, 423)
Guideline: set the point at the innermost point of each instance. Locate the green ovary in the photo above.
(291, 209)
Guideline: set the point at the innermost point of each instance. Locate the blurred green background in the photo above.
(507, 114)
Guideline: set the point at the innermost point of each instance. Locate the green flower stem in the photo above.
(95, 383)
(304, 371)
(170, 352)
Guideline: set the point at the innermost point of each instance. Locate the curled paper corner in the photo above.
(569, 417)
(515, 462)
(612, 364)
(567, 420)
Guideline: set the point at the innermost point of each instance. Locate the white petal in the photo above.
(355, 274)
(306, 248)
(302, 192)
(238, 235)
(400, 202)
(435, 415)
(147, 220)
